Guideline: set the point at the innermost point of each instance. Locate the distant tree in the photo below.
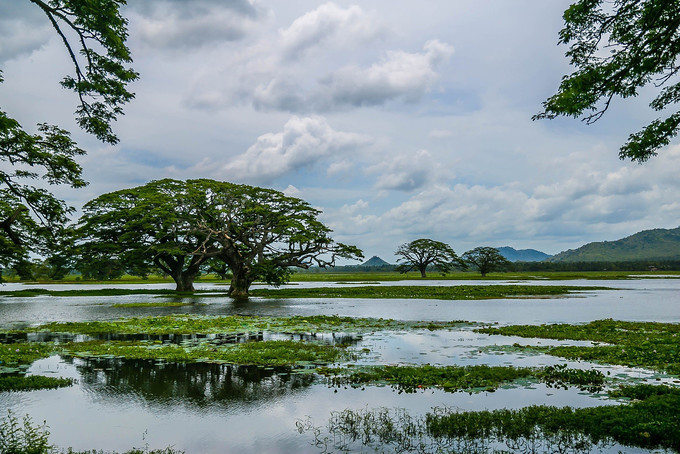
(420, 254)
(179, 226)
(31, 218)
(617, 48)
(486, 260)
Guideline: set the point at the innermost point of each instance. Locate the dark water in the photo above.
(215, 408)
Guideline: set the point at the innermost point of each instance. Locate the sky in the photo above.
(399, 120)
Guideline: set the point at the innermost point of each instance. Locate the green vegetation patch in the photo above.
(188, 324)
(650, 424)
(265, 353)
(458, 292)
(104, 292)
(17, 354)
(32, 382)
(457, 378)
(157, 304)
(637, 344)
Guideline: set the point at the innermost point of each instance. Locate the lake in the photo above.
(215, 408)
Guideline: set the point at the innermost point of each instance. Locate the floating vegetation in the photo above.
(456, 292)
(157, 304)
(18, 354)
(636, 344)
(651, 424)
(184, 324)
(461, 378)
(264, 353)
(32, 382)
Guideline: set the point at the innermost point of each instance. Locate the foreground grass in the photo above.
(459, 378)
(637, 344)
(650, 423)
(187, 324)
(458, 292)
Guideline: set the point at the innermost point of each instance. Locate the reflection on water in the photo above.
(198, 384)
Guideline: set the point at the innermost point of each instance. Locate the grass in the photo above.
(156, 304)
(188, 324)
(459, 378)
(458, 292)
(637, 344)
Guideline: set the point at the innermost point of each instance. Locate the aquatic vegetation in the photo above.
(638, 344)
(456, 292)
(458, 378)
(24, 437)
(157, 304)
(265, 353)
(651, 424)
(18, 354)
(188, 324)
(32, 382)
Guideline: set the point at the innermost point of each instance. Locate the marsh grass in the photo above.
(157, 304)
(457, 292)
(462, 378)
(650, 423)
(635, 344)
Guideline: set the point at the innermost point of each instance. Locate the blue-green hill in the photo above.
(656, 244)
(522, 255)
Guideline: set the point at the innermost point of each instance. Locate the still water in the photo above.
(210, 408)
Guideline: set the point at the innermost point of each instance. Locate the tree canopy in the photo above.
(31, 218)
(617, 48)
(419, 254)
(486, 260)
(180, 226)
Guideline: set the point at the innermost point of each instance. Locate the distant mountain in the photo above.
(656, 244)
(522, 255)
(375, 261)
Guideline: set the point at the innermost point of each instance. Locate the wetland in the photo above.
(585, 365)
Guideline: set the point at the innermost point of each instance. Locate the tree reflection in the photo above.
(195, 384)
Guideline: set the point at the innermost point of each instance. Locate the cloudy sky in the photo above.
(400, 120)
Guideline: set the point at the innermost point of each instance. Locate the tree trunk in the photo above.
(422, 271)
(184, 281)
(239, 286)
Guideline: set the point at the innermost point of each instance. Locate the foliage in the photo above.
(31, 218)
(642, 344)
(458, 292)
(23, 353)
(23, 438)
(32, 382)
(486, 260)
(178, 227)
(422, 253)
(618, 48)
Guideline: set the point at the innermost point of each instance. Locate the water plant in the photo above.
(32, 382)
(638, 344)
(456, 292)
(24, 437)
(458, 378)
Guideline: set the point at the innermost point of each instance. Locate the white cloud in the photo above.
(408, 172)
(303, 142)
(327, 25)
(401, 75)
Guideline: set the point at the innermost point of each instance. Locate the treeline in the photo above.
(642, 265)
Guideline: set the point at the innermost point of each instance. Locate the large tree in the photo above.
(180, 226)
(617, 48)
(419, 254)
(486, 260)
(31, 218)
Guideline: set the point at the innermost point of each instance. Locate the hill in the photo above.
(374, 262)
(656, 244)
(522, 255)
